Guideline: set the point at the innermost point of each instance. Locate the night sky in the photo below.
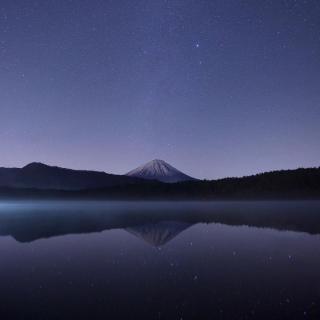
(216, 88)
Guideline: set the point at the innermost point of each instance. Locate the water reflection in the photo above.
(158, 234)
(154, 222)
(160, 260)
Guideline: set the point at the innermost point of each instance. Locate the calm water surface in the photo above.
(159, 260)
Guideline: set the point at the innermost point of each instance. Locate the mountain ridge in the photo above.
(42, 176)
(43, 181)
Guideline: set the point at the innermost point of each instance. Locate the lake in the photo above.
(159, 260)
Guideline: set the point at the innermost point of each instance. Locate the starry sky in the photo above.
(216, 88)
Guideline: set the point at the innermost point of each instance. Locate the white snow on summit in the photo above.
(159, 170)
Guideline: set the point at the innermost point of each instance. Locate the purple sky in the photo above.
(216, 88)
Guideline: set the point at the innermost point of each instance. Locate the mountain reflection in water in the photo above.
(154, 222)
(159, 260)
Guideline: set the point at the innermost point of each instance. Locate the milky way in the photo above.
(216, 88)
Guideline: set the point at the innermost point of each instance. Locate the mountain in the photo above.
(41, 176)
(159, 170)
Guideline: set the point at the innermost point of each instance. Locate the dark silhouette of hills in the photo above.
(41, 176)
(41, 181)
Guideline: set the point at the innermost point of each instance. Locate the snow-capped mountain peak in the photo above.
(159, 170)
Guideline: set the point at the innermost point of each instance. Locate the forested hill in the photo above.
(284, 184)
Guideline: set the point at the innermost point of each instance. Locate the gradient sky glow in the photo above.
(216, 88)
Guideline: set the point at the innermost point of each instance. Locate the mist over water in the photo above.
(159, 260)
